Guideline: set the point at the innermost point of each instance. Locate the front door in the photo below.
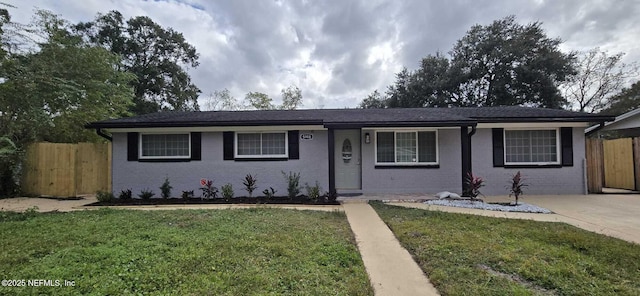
(347, 159)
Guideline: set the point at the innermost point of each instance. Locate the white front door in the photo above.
(347, 159)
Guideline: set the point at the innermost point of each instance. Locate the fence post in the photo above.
(595, 165)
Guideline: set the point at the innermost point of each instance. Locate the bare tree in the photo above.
(222, 100)
(599, 76)
(291, 98)
(258, 101)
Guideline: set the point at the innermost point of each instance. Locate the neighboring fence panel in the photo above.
(636, 161)
(64, 170)
(595, 166)
(618, 164)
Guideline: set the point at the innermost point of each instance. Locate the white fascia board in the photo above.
(532, 124)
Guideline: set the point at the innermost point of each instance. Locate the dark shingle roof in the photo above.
(352, 117)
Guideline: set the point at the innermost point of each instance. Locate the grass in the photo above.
(474, 255)
(183, 252)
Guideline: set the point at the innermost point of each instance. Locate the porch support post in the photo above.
(465, 144)
(332, 166)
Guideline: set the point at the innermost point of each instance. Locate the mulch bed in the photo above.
(276, 200)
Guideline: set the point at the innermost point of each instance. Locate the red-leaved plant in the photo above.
(208, 190)
(516, 186)
(473, 186)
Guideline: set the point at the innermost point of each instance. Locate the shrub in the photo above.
(104, 196)
(146, 194)
(209, 191)
(313, 192)
(269, 193)
(227, 191)
(516, 186)
(249, 183)
(474, 183)
(332, 195)
(293, 184)
(10, 160)
(165, 189)
(187, 194)
(125, 194)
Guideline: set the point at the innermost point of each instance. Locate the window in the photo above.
(531, 146)
(165, 146)
(406, 147)
(272, 144)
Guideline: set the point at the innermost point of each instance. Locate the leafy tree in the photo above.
(291, 98)
(259, 101)
(373, 101)
(157, 56)
(431, 84)
(399, 94)
(628, 99)
(599, 76)
(506, 63)
(52, 93)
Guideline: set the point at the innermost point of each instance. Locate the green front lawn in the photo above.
(183, 252)
(474, 255)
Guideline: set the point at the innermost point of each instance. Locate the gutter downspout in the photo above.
(465, 139)
(473, 131)
(102, 134)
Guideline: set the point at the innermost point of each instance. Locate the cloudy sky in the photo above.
(338, 51)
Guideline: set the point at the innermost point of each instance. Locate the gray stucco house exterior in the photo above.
(368, 151)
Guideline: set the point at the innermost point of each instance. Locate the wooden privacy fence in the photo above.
(66, 170)
(613, 164)
(595, 166)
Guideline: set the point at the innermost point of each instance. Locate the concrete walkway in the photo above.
(391, 269)
(21, 204)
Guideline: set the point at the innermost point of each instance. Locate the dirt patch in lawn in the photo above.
(516, 278)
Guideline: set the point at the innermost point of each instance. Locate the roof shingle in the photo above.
(352, 117)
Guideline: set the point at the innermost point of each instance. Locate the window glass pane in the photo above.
(384, 147)
(177, 145)
(249, 144)
(273, 144)
(533, 146)
(427, 146)
(165, 145)
(517, 146)
(406, 147)
(543, 148)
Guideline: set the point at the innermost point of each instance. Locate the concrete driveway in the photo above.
(616, 215)
(616, 212)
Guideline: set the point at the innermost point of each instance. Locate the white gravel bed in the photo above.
(521, 207)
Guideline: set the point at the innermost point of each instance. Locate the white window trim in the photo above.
(504, 145)
(395, 152)
(140, 156)
(286, 145)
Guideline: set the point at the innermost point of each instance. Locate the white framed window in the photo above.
(261, 144)
(166, 145)
(407, 147)
(531, 147)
